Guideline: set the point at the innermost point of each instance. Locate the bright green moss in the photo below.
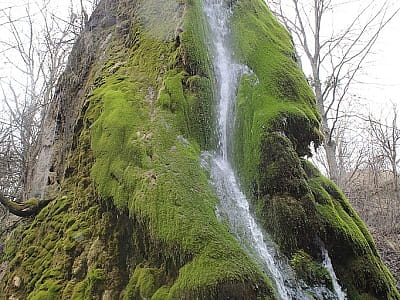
(276, 97)
(200, 82)
(194, 38)
(350, 245)
(276, 120)
(86, 288)
(49, 290)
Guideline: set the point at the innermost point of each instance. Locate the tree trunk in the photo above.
(329, 144)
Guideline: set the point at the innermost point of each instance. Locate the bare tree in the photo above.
(35, 53)
(334, 58)
(8, 161)
(375, 187)
(386, 138)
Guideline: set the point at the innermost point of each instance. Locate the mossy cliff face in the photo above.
(276, 121)
(134, 214)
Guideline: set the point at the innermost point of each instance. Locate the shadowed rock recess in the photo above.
(133, 215)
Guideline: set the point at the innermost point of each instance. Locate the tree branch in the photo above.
(26, 209)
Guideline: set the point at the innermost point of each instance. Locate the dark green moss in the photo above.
(312, 272)
(351, 247)
(129, 223)
(276, 121)
(282, 198)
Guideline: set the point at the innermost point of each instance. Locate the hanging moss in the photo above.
(128, 222)
(312, 272)
(134, 217)
(142, 163)
(276, 121)
(200, 83)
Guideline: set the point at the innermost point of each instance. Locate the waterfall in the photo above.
(328, 265)
(233, 207)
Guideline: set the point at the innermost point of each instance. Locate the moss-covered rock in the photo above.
(276, 121)
(351, 246)
(312, 272)
(134, 216)
(135, 213)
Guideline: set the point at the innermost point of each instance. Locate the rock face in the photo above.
(134, 215)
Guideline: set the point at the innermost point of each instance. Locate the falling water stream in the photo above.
(234, 207)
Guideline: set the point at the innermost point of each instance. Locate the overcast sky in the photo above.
(380, 76)
(383, 75)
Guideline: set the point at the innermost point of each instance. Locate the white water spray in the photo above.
(233, 203)
(234, 207)
(328, 265)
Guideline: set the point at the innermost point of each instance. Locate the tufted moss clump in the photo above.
(135, 217)
(351, 247)
(309, 270)
(144, 283)
(276, 122)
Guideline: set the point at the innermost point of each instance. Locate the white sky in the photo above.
(385, 71)
(381, 73)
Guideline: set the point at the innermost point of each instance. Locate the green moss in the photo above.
(13, 240)
(85, 289)
(135, 213)
(274, 99)
(276, 121)
(281, 196)
(350, 245)
(143, 164)
(47, 291)
(371, 277)
(145, 282)
(161, 294)
(312, 272)
(156, 188)
(145, 147)
(200, 82)
(194, 38)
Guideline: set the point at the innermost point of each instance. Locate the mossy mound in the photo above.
(310, 271)
(351, 246)
(135, 216)
(276, 121)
